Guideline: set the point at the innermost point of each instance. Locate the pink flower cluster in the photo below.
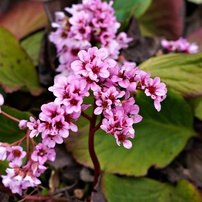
(111, 85)
(180, 46)
(21, 176)
(53, 124)
(91, 23)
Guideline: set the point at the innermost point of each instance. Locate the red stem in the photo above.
(86, 116)
(10, 117)
(43, 198)
(93, 128)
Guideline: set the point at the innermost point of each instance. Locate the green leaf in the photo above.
(197, 106)
(195, 1)
(160, 137)
(9, 129)
(124, 11)
(32, 46)
(182, 73)
(123, 189)
(16, 68)
(158, 20)
(3, 166)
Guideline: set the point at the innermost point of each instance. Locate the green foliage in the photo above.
(32, 46)
(123, 189)
(160, 137)
(197, 106)
(182, 73)
(124, 10)
(9, 129)
(16, 68)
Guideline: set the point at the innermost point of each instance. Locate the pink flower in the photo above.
(180, 46)
(70, 117)
(16, 154)
(3, 151)
(107, 98)
(60, 20)
(30, 181)
(73, 104)
(1, 101)
(23, 124)
(157, 91)
(33, 125)
(123, 40)
(50, 112)
(42, 153)
(121, 137)
(50, 140)
(12, 181)
(126, 76)
(18, 179)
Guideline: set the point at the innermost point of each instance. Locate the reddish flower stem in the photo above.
(93, 128)
(28, 143)
(10, 117)
(43, 198)
(86, 116)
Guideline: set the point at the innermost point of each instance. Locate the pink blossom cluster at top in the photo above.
(91, 23)
(180, 46)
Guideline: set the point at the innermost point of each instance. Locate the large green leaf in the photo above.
(124, 189)
(16, 68)
(163, 18)
(160, 137)
(181, 72)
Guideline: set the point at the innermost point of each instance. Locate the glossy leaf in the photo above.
(123, 189)
(160, 137)
(32, 46)
(16, 68)
(163, 18)
(24, 17)
(181, 72)
(124, 11)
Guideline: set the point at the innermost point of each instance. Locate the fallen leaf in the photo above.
(24, 17)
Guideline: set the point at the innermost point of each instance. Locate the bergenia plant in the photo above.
(88, 47)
